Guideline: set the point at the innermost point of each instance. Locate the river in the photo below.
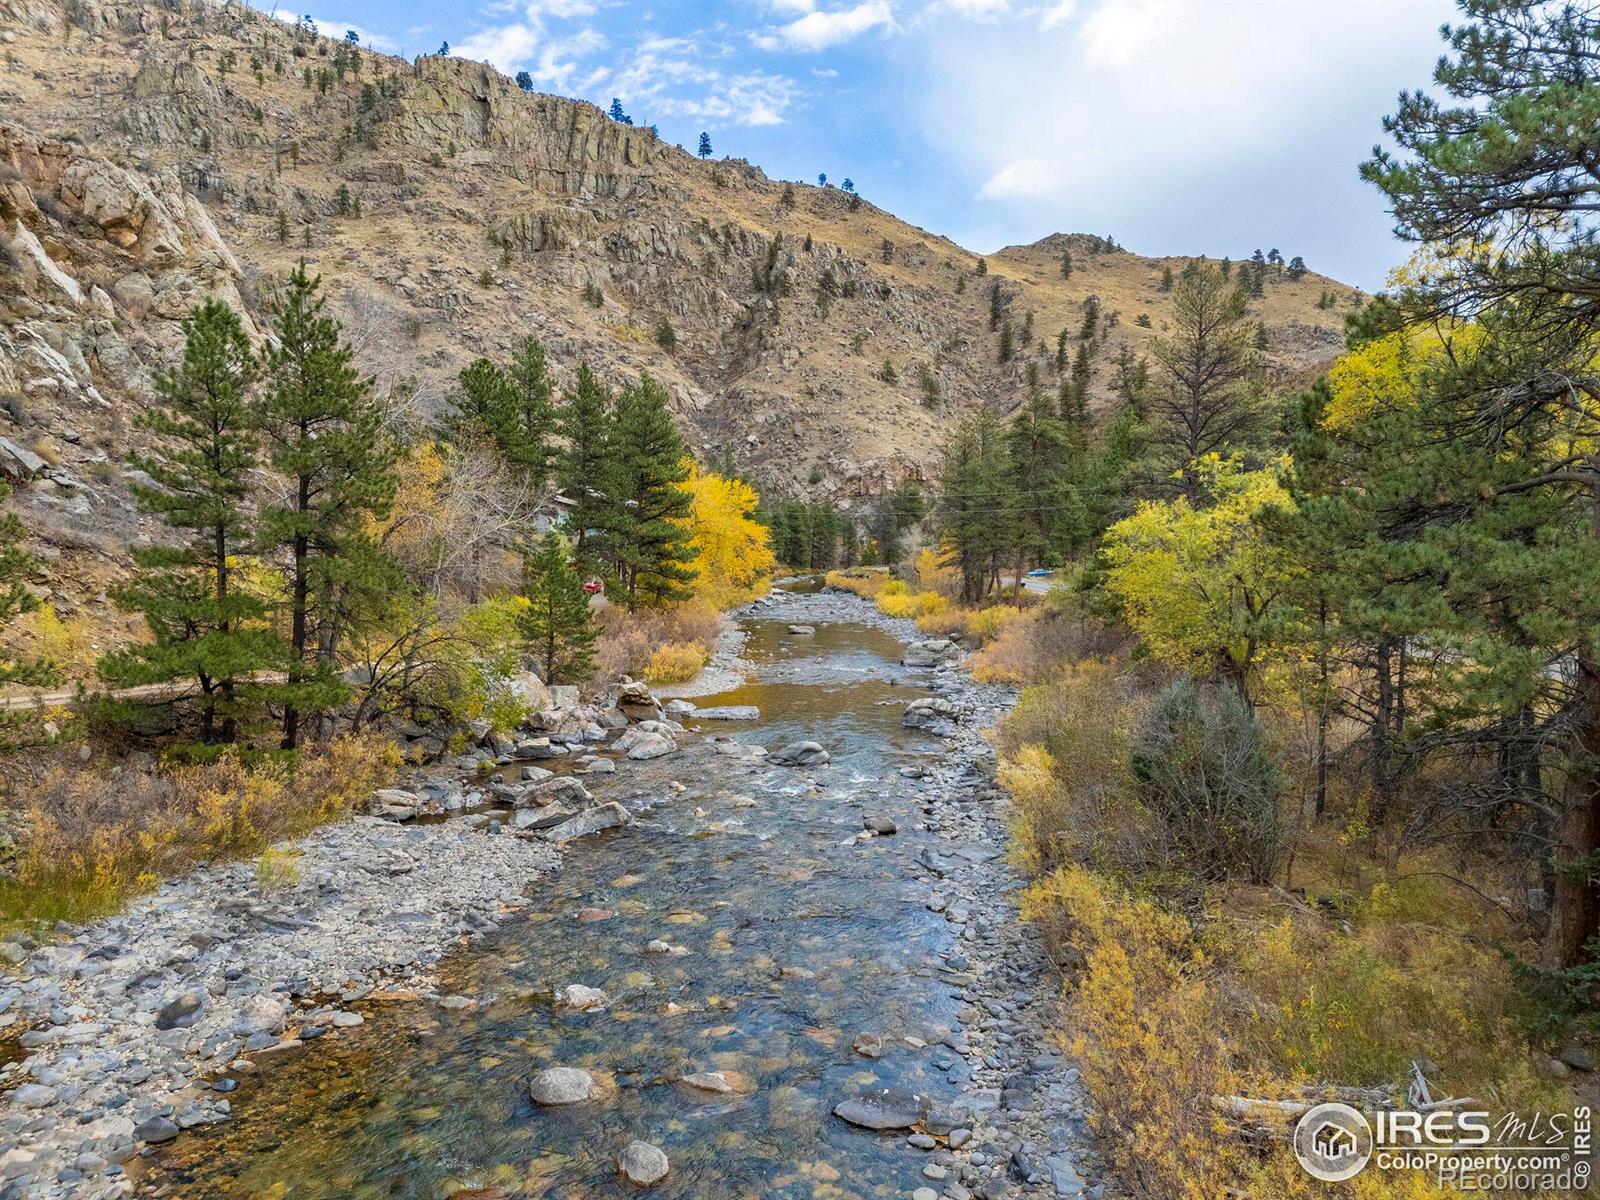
(808, 963)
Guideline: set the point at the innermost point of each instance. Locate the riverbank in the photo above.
(220, 961)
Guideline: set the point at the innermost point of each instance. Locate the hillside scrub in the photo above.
(1203, 962)
(89, 837)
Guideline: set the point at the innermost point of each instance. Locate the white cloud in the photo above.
(825, 72)
(1056, 14)
(1021, 177)
(329, 27)
(1119, 34)
(819, 30)
(655, 86)
(506, 47)
(977, 10)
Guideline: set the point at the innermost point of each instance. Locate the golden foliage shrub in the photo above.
(896, 600)
(630, 638)
(865, 582)
(676, 662)
(88, 838)
(934, 576)
(1064, 750)
(1145, 1035)
(1171, 1020)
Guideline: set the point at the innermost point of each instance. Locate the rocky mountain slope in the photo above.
(154, 154)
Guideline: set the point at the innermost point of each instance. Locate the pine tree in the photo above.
(1500, 156)
(527, 445)
(525, 81)
(1297, 267)
(1048, 515)
(1207, 398)
(615, 111)
(328, 441)
(204, 627)
(646, 539)
(556, 626)
(584, 466)
(17, 565)
(996, 308)
(974, 509)
(1066, 264)
(705, 145)
(1007, 348)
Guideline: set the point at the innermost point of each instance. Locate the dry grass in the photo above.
(631, 638)
(677, 662)
(88, 837)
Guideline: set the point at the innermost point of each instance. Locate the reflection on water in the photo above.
(795, 943)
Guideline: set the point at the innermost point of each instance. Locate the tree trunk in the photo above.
(1322, 703)
(1575, 914)
(297, 639)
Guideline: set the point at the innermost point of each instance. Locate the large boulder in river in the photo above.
(799, 754)
(560, 789)
(932, 653)
(643, 1164)
(649, 739)
(636, 702)
(607, 816)
(884, 1108)
(561, 1085)
(729, 712)
(529, 691)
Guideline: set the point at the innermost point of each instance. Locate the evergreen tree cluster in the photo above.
(280, 459)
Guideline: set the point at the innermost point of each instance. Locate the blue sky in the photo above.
(1176, 126)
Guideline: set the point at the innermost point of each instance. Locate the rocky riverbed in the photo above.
(143, 1026)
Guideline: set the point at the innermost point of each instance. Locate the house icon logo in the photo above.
(1333, 1142)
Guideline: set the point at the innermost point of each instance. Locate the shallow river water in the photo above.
(796, 943)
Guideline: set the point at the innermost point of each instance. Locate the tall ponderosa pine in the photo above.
(1049, 520)
(205, 628)
(1205, 398)
(974, 509)
(511, 407)
(328, 441)
(556, 626)
(1498, 165)
(647, 541)
(583, 467)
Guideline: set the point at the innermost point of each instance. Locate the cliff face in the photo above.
(153, 156)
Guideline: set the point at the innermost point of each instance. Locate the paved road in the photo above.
(1040, 585)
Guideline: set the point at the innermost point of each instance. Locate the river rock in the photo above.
(561, 1085)
(578, 998)
(536, 819)
(395, 803)
(180, 1011)
(155, 1131)
(882, 826)
(643, 1164)
(931, 653)
(884, 1108)
(729, 712)
(800, 754)
(607, 816)
(802, 630)
(563, 695)
(639, 743)
(561, 789)
(930, 712)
